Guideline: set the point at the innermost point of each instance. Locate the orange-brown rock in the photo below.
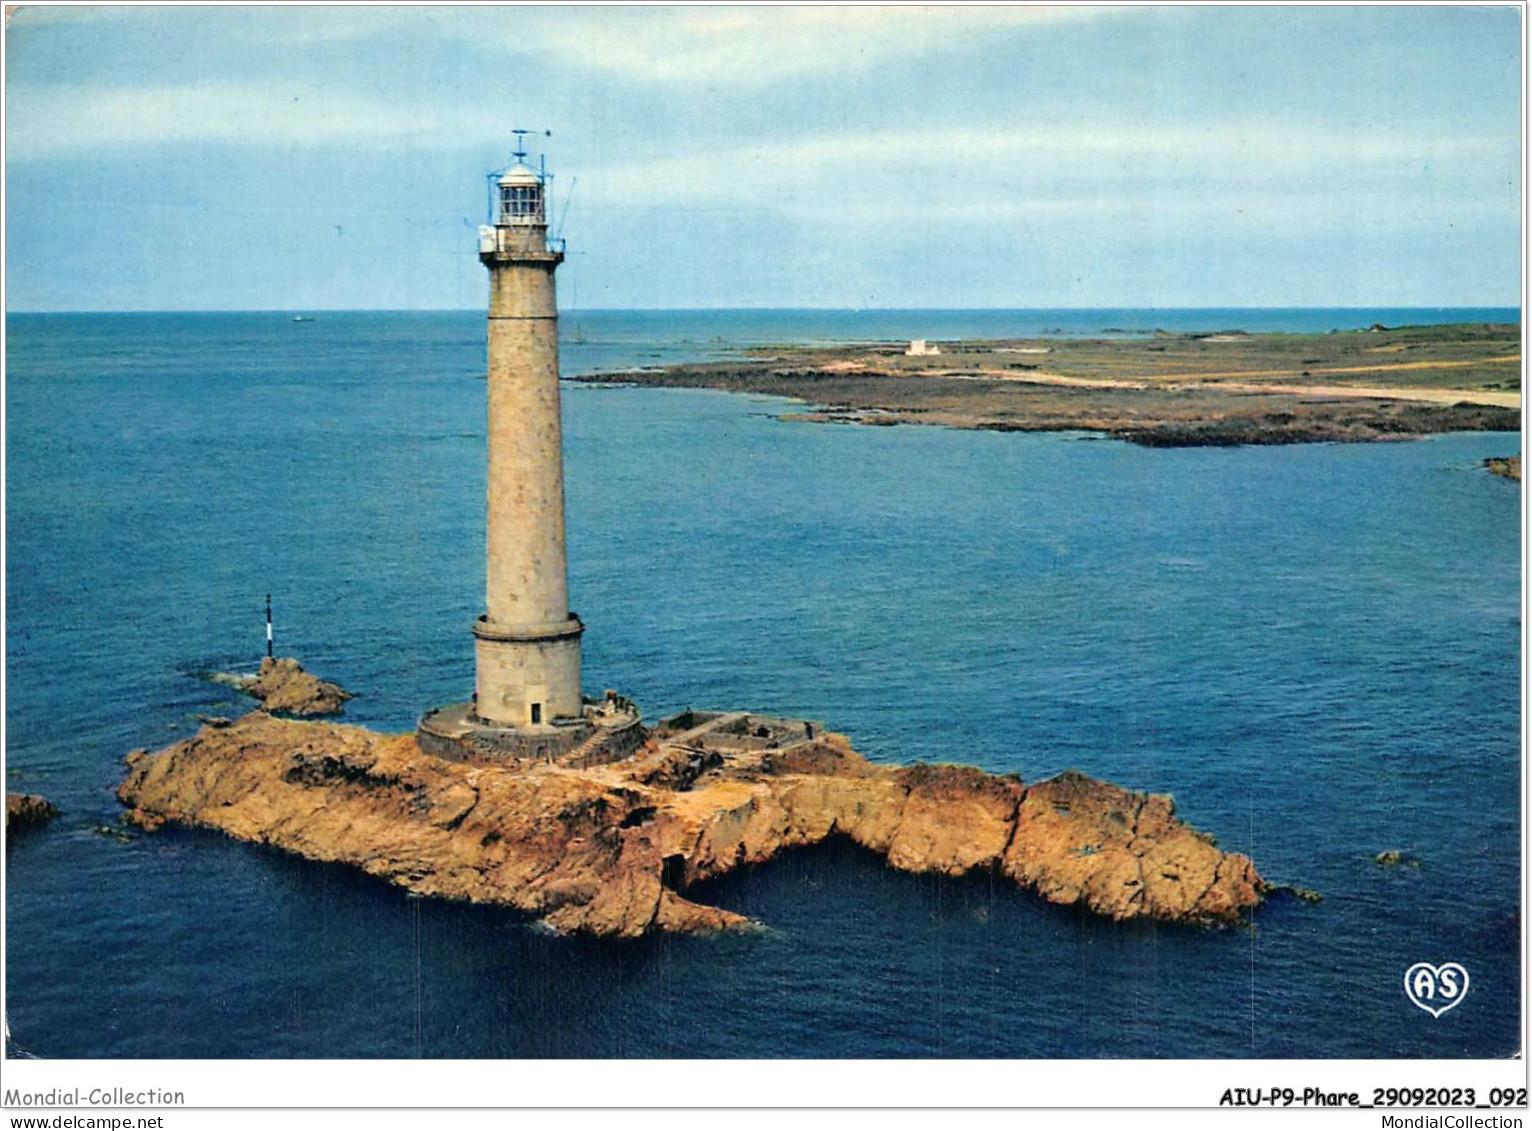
(1508, 466)
(282, 685)
(611, 849)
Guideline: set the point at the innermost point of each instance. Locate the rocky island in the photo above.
(1151, 388)
(612, 848)
(533, 796)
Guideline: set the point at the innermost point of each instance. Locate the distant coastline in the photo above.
(1158, 389)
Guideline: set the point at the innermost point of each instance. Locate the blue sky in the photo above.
(326, 158)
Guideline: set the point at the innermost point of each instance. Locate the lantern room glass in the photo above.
(521, 204)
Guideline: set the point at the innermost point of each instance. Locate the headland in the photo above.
(611, 849)
(1159, 390)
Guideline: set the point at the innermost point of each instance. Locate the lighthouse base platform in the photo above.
(609, 731)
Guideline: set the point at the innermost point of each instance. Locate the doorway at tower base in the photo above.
(609, 730)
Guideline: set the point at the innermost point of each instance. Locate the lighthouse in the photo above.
(527, 643)
(527, 703)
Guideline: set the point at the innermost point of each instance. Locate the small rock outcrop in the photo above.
(1508, 466)
(282, 685)
(1394, 858)
(611, 849)
(24, 810)
(1307, 895)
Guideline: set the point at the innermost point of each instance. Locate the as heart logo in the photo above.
(1436, 989)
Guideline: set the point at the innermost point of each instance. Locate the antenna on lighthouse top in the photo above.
(520, 152)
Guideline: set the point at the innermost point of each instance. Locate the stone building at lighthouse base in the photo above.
(610, 729)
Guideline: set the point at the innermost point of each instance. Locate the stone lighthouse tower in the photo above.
(527, 701)
(527, 645)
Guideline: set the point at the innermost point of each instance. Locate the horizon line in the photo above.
(769, 309)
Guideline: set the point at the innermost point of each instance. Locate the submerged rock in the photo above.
(1393, 858)
(609, 850)
(24, 810)
(1307, 895)
(282, 685)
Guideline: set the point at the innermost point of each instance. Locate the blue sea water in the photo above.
(1316, 649)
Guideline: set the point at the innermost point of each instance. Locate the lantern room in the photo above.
(519, 196)
(516, 228)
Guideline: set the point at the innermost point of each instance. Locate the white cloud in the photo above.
(707, 44)
(48, 121)
(757, 46)
(873, 178)
(957, 168)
